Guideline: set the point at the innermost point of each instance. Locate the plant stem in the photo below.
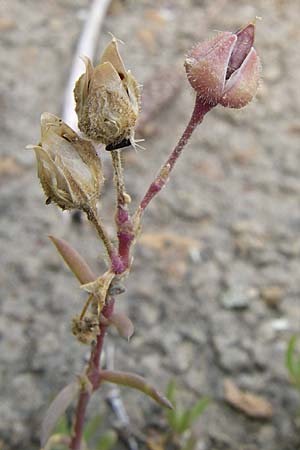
(121, 259)
(198, 114)
(93, 373)
(118, 177)
(123, 220)
(92, 216)
(84, 398)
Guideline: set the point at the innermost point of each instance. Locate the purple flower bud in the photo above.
(225, 69)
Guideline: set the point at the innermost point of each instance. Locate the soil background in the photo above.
(214, 290)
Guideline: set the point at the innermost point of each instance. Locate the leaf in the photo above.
(190, 415)
(57, 409)
(175, 418)
(248, 403)
(184, 423)
(123, 324)
(74, 261)
(297, 370)
(174, 415)
(107, 440)
(136, 382)
(289, 356)
(198, 409)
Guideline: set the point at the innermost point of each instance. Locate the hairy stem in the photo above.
(198, 114)
(118, 178)
(93, 374)
(123, 219)
(117, 265)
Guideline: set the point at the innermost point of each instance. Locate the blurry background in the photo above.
(214, 291)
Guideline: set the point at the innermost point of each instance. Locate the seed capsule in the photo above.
(108, 100)
(225, 69)
(68, 166)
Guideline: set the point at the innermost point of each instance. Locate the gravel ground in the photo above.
(214, 292)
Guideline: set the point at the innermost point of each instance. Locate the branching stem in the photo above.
(121, 259)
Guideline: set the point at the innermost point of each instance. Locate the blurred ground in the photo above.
(219, 305)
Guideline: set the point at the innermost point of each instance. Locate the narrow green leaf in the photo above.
(289, 357)
(198, 409)
(297, 369)
(174, 419)
(184, 423)
(188, 416)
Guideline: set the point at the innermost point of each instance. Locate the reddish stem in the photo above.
(79, 420)
(125, 234)
(123, 219)
(198, 114)
(121, 261)
(93, 374)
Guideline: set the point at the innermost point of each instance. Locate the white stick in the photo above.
(86, 47)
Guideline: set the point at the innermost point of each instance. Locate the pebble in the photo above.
(238, 297)
(272, 295)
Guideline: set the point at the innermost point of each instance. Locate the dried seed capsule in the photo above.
(68, 166)
(108, 100)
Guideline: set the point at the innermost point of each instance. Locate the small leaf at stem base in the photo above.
(74, 261)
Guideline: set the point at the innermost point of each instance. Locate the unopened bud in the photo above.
(68, 166)
(225, 69)
(107, 100)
